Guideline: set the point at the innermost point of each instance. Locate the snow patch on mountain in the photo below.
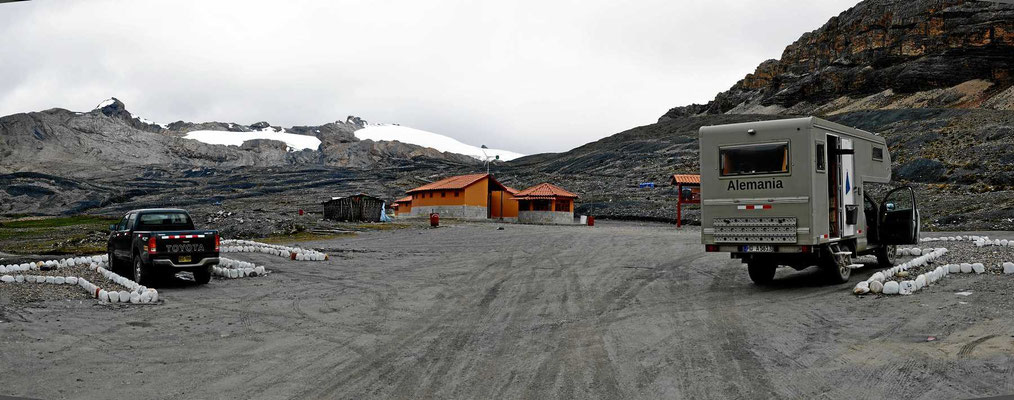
(429, 139)
(294, 141)
(146, 121)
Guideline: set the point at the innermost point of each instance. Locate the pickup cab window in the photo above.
(164, 221)
(130, 221)
(122, 225)
(754, 159)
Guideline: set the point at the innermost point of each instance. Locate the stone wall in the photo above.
(464, 212)
(546, 217)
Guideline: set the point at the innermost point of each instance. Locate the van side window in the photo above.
(821, 165)
(878, 153)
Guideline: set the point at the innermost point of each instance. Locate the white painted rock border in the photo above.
(292, 253)
(879, 283)
(229, 268)
(137, 295)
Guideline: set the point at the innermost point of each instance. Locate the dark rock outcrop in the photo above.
(954, 53)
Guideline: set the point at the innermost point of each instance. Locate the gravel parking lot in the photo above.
(621, 310)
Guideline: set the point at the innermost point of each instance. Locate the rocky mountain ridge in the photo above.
(109, 136)
(884, 54)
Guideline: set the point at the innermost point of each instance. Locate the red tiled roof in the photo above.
(543, 191)
(406, 199)
(685, 178)
(456, 182)
(511, 190)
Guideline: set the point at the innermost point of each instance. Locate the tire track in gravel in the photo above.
(966, 350)
(344, 376)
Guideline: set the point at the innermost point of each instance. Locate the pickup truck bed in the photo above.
(155, 243)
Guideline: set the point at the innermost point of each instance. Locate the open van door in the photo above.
(899, 217)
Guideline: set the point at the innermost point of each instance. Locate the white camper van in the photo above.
(793, 192)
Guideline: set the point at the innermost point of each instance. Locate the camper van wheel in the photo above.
(887, 255)
(837, 263)
(762, 273)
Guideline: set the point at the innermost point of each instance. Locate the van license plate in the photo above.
(759, 249)
(184, 259)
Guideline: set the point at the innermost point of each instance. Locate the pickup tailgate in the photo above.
(185, 247)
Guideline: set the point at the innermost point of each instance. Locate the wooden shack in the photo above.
(356, 208)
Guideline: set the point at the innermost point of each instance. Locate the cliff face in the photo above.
(885, 54)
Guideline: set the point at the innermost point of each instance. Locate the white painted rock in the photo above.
(907, 287)
(891, 287)
(59, 280)
(862, 288)
(72, 280)
(50, 279)
(19, 278)
(978, 268)
(260, 270)
(40, 279)
(1008, 268)
(7, 279)
(953, 268)
(876, 287)
(154, 295)
(966, 268)
(916, 251)
(103, 295)
(135, 298)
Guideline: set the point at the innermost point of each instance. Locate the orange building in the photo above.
(503, 205)
(545, 204)
(403, 206)
(464, 196)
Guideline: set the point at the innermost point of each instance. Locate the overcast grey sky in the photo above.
(528, 76)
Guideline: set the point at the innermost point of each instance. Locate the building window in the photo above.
(562, 205)
(456, 193)
(821, 156)
(443, 193)
(878, 153)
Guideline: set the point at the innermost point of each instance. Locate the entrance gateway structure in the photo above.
(793, 192)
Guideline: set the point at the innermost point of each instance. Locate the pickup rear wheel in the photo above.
(762, 273)
(202, 276)
(142, 274)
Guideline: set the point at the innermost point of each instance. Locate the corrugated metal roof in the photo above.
(685, 178)
(543, 191)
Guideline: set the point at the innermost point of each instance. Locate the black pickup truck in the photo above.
(158, 243)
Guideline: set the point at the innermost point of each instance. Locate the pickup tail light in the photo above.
(218, 242)
(804, 249)
(711, 248)
(151, 245)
